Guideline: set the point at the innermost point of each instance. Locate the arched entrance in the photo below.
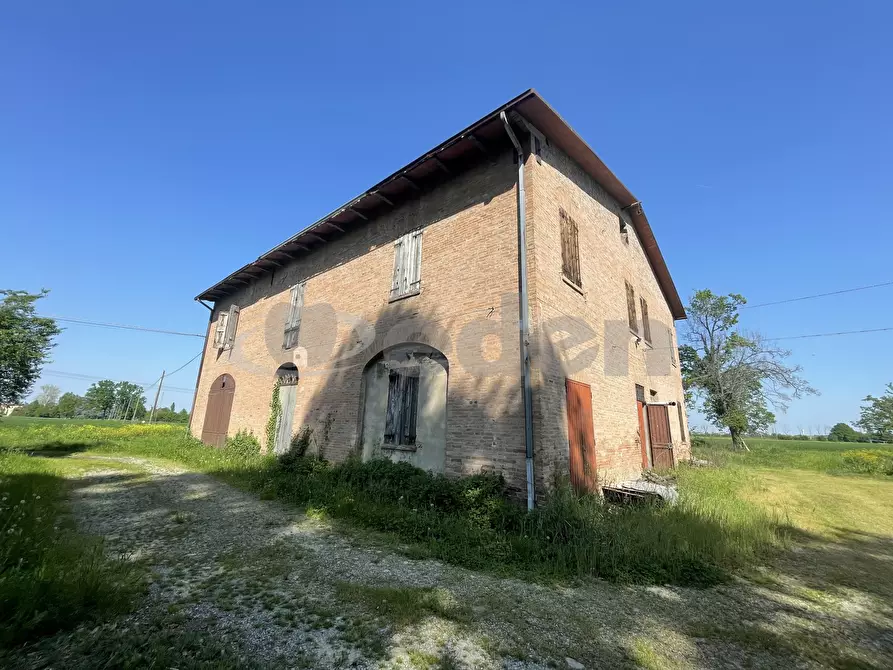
(287, 376)
(404, 406)
(220, 405)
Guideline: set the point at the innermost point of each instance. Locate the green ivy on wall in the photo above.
(273, 421)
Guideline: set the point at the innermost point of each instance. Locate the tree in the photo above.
(49, 394)
(843, 432)
(25, 343)
(876, 417)
(735, 376)
(71, 406)
(101, 397)
(129, 400)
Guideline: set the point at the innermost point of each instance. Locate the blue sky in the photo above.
(149, 149)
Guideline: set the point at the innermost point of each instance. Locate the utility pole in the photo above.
(157, 393)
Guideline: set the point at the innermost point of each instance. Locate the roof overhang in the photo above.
(482, 140)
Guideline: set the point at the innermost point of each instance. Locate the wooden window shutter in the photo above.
(631, 308)
(407, 265)
(231, 324)
(570, 249)
(410, 407)
(295, 312)
(646, 324)
(673, 358)
(391, 429)
(220, 330)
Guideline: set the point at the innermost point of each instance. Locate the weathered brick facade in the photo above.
(467, 309)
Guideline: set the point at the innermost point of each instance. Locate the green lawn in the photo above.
(804, 520)
(34, 420)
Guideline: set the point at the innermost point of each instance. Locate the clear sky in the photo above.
(149, 149)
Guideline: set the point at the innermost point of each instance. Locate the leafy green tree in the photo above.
(129, 400)
(876, 417)
(49, 394)
(735, 376)
(101, 397)
(843, 432)
(71, 405)
(25, 343)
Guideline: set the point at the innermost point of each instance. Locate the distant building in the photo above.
(391, 326)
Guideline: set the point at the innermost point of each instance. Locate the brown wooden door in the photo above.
(220, 405)
(581, 440)
(659, 433)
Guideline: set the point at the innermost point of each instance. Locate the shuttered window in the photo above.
(570, 249)
(403, 406)
(646, 324)
(232, 323)
(407, 265)
(293, 322)
(673, 358)
(631, 308)
(220, 330)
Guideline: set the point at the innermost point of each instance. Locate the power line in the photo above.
(817, 295)
(184, 365)
(842, 332)
(83, 377)
(104, 324)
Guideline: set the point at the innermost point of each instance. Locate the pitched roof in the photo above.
(479, 140)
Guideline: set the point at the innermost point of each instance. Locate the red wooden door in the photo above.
(220, 405)
(659, 432)
(581, 440)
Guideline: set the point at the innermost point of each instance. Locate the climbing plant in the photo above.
(273, 421)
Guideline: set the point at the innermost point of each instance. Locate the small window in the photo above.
(220, 330)
(646, 324)
(403, 406)
(232, 323)
(653, 395)
(570, 249)
(631, 308)
(293, 322)
(624, 230)
(407, 266)
(640, 394)
(681, 421)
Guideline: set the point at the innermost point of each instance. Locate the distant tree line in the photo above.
(105, 399)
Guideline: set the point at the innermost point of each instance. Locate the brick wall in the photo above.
(605, 354)
(467, 309)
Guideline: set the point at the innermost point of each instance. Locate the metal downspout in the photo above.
(524, 310)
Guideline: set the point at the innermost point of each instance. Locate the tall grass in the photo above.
(472, 521)
(51, 577)
(829, 457)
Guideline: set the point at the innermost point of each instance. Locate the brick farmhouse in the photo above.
(499, 303)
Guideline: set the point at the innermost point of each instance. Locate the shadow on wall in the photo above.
(460, 377)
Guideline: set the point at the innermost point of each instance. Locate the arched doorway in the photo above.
(220, 405)
(404, 406)
(287, 376)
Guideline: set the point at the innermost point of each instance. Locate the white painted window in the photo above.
(293, 322)
(220, 330)
(407, 265)
(225, 333)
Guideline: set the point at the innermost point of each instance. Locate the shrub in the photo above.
(869, 461)
(242, 445)
(297, 449)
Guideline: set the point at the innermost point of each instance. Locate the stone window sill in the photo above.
(399, 447)
(576, 287)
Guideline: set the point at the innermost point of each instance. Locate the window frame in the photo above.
(631, 314)
(401, 416)
(646, 321)
(220, 329)
(292, 329)
(406, 280)
(571, 266)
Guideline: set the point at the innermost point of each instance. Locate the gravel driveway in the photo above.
(264, 585)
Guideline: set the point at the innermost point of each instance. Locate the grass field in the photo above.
(37, 421)
(809, 523)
